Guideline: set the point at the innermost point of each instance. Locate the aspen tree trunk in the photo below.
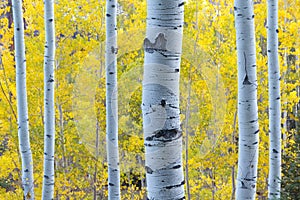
(111, 101)
(247, 100)
(49, 130)
(274, 101)
(97, 159)
(160, 106)
(233, 167)
(23, 126)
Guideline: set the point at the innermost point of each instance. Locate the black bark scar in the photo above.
(114, 50)
(246, 79)
(164, 135)
(160, 44)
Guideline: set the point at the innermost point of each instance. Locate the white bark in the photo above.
(274, 101)
(161, 123)
(23, 127)
(111, 101)
(247, 100)
(49, 130)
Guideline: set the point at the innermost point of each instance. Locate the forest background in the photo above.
(208, 98)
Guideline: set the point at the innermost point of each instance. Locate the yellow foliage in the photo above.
(208, 70)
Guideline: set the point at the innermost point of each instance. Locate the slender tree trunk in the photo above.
(111, 101)
(62, 138)
(23, 126)
(297, 106)
(187, 116)
(233, 167)
(274, 101)
(247, 100)
(285, 63)
(96, 160)
(49, 135)
(160, 106)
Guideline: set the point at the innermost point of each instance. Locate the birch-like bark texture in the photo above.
(247, 100)
(49, 130)
(23, 126)
(111, 51)
(274, 101)
(160, 101)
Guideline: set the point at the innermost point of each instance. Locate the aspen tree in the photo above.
(160, 100)
(247, 100)
(23, 126)
(49, 130)
(111, 101)
(274, 102)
